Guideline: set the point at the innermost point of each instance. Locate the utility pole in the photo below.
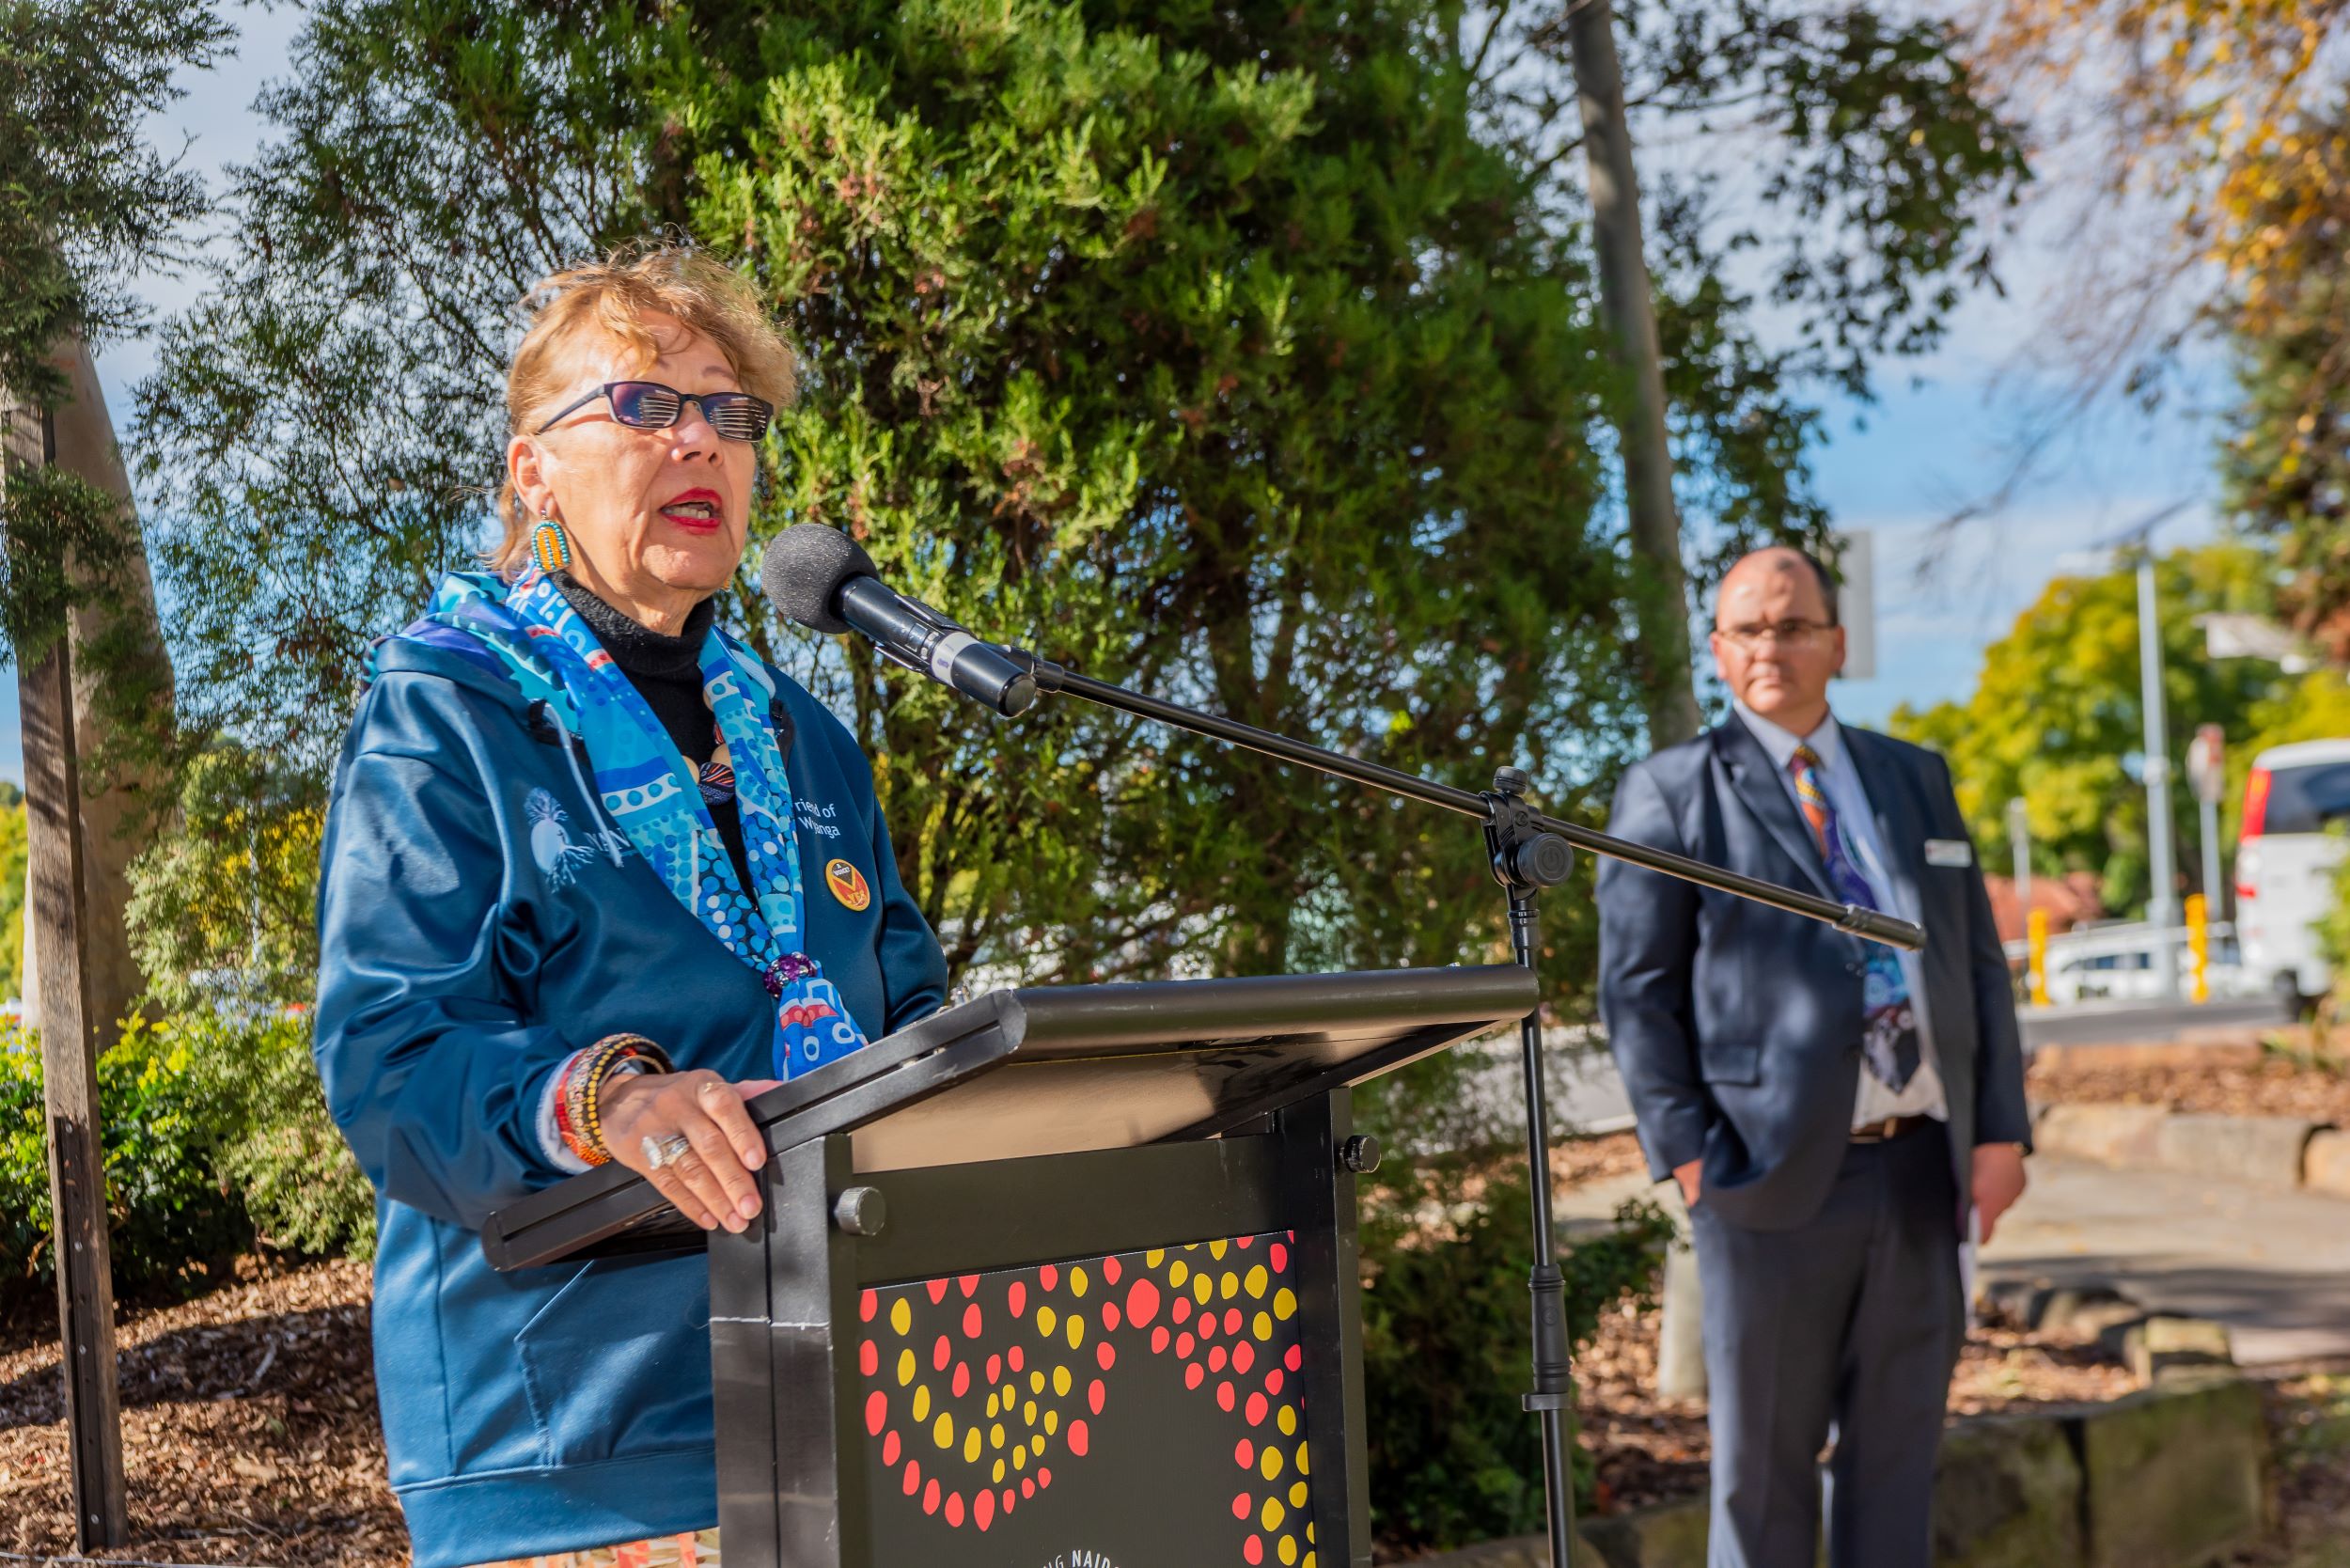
(1630, 315)
(77, 1171)
(2162, 904)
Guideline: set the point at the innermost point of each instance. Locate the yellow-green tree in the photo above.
(2056, 716)
(12, 853)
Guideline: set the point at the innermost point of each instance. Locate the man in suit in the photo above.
(1834, 1111)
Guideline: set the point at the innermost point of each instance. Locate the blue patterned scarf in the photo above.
(648, 788)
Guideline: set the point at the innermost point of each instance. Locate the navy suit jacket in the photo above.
(1737, 1026)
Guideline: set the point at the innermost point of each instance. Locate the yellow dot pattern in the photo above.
(1231, 1291)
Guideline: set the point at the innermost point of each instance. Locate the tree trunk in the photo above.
(118, 794)
(1662, 602)
(120, 808)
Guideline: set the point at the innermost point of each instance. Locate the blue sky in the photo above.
(1896, 467)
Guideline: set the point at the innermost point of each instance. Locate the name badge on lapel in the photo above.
(1950, 851)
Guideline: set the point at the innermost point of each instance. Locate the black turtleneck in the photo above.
(666, 673)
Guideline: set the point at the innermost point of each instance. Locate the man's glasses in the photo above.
(647, 405)
(1784, 632)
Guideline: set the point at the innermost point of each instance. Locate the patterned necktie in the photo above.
(1889, 1025)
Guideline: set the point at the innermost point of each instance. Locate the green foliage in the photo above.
(85, 203)
(213, 1131)
(325, 425)
(2055, 717)
(1241, 355)
(2285, 462)
(2333, 927)
(86, 206)
(168, 1216)
(1260, 386)
(222, 905)
(1447, 1244)
(274, 1146)
(1454, 1458)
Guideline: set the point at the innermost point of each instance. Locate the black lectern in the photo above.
(1055, 1278)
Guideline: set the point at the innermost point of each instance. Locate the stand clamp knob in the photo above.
(861, 1211)
(1544, 860)
(1359, 1153)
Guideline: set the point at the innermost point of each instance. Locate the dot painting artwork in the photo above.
(1014, 1417)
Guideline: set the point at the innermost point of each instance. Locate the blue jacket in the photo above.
(1737, 1026)
(567, 1407)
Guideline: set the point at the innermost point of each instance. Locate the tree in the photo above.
(85, 204)
(2056, 719)
(1344, 487)
(1254, 382)
(78, 191)
(2286, 463)
(2210, 136)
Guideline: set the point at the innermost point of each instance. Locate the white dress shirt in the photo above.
(1857, 827)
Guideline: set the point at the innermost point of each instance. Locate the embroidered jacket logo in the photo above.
(551, 843)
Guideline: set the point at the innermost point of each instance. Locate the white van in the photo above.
(2285, 859)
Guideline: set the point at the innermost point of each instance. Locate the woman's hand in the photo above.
(711, 1183)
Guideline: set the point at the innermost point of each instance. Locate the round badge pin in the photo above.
(847, 884)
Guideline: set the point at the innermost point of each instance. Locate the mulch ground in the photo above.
(250, 1431)
(1648, 1450)
(2317, 1088)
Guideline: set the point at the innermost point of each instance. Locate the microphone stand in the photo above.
(1528, 851)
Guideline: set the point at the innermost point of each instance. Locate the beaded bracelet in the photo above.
(578, 1114)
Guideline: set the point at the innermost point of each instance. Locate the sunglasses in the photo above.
(647, 405)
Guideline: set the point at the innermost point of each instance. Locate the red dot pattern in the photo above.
(1210, 1307)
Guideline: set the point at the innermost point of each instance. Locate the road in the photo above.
(1586, 1093)
(2093, 1023)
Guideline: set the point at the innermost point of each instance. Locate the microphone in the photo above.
(822, 580)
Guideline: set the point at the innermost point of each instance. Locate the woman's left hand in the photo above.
(711, 1183)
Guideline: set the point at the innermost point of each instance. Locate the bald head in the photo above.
(1783, 559)
(1776, 640)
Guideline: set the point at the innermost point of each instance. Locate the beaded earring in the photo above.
(549, 544)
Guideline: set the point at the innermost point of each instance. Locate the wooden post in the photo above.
(77, 1171)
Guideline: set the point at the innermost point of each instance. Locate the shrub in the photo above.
(168, 1216)
(1447, 1246)
(278, 1148)
(1454, 1458)
(216, 1135)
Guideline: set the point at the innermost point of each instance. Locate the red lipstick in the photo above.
(685, 510)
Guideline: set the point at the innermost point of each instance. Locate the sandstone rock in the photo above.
(2175, 1477)
(2265, 1149)
(2111, 1135)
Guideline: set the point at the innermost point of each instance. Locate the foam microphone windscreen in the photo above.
(804, 566)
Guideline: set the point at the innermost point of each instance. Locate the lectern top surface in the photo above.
(1059, 1070)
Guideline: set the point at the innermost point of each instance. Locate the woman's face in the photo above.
(656, 519)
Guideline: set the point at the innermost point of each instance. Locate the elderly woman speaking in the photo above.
(594, 873)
